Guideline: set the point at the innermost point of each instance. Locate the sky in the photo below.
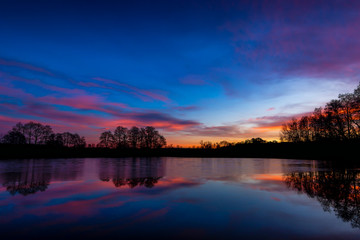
(195, 70)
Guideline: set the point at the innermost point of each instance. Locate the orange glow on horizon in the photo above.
(268, 128)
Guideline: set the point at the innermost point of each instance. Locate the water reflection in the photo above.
(31, 176)
(132, 172)
(336, 191)
(177, 198)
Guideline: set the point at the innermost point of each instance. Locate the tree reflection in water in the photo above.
(31, 176)
(337, 191)
(148, 182)
(35, 175)
(26, 184)
(132, 172)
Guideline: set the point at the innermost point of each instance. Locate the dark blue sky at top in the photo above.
(194, 69)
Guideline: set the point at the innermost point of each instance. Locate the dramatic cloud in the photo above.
(145, 95)
(85, 112)
(223, 70)
(301, 39)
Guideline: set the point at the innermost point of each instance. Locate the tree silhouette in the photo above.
(152, 138)
(37, 133)
(255, 141)
(71, 140)
(147, 137)
(338, 121)
(56, 140)
(133, 137)
(107, 139)
(34, 133)
(121, 137)
(13, 137)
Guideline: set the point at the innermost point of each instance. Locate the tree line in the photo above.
(339, 120)
(226, 144)
(33, 133)
(134, 137)
(39, 134)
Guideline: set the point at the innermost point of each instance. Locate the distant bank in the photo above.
(334, 151)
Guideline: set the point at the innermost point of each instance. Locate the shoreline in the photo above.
(335, 151)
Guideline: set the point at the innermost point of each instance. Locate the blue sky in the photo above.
(208, 70)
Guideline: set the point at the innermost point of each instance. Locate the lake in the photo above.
(178, 198)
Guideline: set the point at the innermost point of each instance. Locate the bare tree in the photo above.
(338, 121)
(34, 133)
(13, 137)
(37, 133)
(147, 137)
(134, 137)
(107, 139)
(121, 137)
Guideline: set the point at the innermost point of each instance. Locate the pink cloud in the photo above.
(26, 66)
(140, 93)
(84, 102)
(41, 84)
(283, 39)
(83, 118)
(193, 80)
(89, 114)
(267, 127)
(14, 92)
(186, 108)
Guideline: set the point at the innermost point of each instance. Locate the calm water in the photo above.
(177, 198)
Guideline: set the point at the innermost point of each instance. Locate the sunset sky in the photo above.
(195, 70)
